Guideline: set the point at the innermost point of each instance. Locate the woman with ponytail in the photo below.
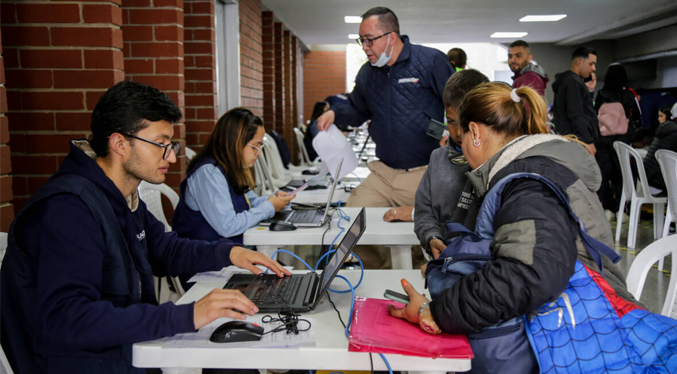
(533, 238)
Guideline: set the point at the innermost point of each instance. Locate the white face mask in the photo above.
(384, 59)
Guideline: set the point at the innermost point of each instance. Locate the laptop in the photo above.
(298, 292)
(307, 217)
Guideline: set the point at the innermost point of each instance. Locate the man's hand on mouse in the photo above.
(247, 259)
(221, 303)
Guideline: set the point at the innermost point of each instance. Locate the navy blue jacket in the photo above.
(573, 109)
(400, 100)
(77, 278)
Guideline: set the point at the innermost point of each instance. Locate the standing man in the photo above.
(573, 109)
(400, 90)
(526, 72)
(77, 278)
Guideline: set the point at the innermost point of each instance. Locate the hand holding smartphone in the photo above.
(305, 185)
(396, 296)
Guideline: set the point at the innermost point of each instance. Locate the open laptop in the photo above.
(299, 292)
(307, 217)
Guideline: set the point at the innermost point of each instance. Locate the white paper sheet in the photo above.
(332, 146)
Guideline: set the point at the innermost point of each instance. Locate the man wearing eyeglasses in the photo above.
(77, 277)
(400, 90)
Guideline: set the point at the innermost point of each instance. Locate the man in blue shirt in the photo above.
(77, 278)
(400, 91)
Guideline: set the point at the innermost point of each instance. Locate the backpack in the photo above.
(588, 329)
(612, 119)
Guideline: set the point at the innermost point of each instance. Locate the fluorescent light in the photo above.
(543, 18)
(508, 35)
(353, 19)
(353, 36)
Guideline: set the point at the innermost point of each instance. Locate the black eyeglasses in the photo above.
(370, 41)
(167, 147)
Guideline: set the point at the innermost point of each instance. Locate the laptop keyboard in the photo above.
(306, 216)
(275, 290)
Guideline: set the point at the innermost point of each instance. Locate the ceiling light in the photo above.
(543, 18)
(508, 34)
(353, 36)
(353, 19)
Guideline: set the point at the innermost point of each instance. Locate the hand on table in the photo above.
(222, 303)
(402, 213)
(247, 259)
(409, 312)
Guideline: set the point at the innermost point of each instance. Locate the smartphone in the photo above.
(396, 296)
(305, 185)
(436, 129)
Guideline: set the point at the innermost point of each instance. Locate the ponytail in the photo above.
(535, 110)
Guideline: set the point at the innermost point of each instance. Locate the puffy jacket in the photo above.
(400, 100)
(536, 243)
(533, 76)
(573, 110)
(666, 138)
(77, 277)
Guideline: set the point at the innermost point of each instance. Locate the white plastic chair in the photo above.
(264, 185)
(4, 364)
(273, 161)
(303, 152)
(151, 194)
(639, 194)
(642, 264)
(190, 154)
(668, 162)
(3, 245)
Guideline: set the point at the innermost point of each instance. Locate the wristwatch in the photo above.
(426, 320)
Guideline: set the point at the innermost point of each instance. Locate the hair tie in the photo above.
(514, 96)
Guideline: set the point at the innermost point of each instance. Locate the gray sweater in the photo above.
(438, 198)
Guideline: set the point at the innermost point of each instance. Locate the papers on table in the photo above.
(200, 339)
(332, 146)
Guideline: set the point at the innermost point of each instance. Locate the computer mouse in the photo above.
(237, 331)
(310, 172)
(282, 226)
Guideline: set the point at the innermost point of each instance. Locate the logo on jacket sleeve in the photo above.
(408, 80)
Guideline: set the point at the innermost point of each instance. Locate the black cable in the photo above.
(323, 250)
(337, 311)
(290, 322)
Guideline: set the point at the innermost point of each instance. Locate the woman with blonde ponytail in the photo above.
(533, 241)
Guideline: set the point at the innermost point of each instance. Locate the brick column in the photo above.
(324, 74)
(268, 41)
(251, 58)
(6, 207)
(59, 58)
(289, 103)
(280, 57)
(293, 147)
(201, 105)
(153, 55)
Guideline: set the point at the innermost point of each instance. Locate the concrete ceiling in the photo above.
(320, 22)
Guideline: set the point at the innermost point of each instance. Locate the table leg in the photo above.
(267, 250)
(401, 256)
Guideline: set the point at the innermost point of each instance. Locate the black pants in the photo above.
(612, 179)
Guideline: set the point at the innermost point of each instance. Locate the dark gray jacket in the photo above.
(438, 194)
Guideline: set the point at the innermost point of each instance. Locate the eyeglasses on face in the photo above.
(167, 147)
(370, 41)
(259, 149)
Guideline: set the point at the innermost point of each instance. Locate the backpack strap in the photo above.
(594, 246)
(454, 227)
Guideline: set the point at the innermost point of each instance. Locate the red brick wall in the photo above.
(59, 57)
(280, 56)
(6, 207)
(268, 46)
(324, 74)
(251, 56)
(153, 55)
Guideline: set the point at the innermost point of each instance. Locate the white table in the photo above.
(398, 236)
(330, 351)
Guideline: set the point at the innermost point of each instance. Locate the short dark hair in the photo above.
(457, 57)
(615, 78)
(386, 18)
(519, 43)
(583, 52)
(667, 110)
(459, 84)
(125, 109)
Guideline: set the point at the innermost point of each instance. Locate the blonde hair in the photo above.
(492, 105)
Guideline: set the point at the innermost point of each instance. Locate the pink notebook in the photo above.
(374, 330)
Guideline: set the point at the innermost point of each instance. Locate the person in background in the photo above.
(311, 131)
(526, 72)
(400, 90)
(457, 58)
(77, 277)
(444, 180)
(665, 138)
(574, 113)
(615, 90)
(534, 248)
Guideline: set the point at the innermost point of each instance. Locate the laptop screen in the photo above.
(339, 257)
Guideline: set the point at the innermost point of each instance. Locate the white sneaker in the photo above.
(610, 216)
